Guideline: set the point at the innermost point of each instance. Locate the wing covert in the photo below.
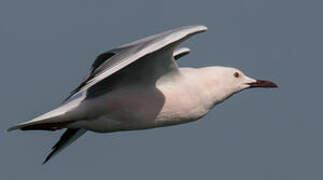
(114, 60)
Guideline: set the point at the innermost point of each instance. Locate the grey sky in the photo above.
(48, 46)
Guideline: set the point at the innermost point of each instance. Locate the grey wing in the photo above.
(160, 47)
(178, 53)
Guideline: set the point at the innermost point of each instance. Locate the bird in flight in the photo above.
(140, 86)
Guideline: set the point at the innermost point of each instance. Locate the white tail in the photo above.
(52, 120)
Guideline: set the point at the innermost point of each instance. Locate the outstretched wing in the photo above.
(159, 47)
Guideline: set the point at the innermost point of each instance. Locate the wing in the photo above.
(160, 47)
(178, 53)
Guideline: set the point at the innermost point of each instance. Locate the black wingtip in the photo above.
(45, 161)
(49, 156)
(69, 133)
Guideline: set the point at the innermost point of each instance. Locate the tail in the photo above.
(53, 120)
(57, 119)
(69, 136)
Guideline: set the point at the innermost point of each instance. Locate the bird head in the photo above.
(226, 81)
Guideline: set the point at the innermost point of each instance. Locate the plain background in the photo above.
(46, 48)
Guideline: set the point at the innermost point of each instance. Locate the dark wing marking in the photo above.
(101, 59)
(96, 64)
(69, 136)
(178, 53)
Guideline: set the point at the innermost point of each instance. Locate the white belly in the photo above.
(142, 109)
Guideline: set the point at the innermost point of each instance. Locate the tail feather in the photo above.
(53, 120)
(49, 121)
(58, 118)
(69, 136)
(43, 126)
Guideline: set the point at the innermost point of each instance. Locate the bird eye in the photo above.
(236, 74)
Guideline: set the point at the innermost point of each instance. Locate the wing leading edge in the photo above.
(114, 60)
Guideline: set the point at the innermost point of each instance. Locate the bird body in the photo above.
(139, 86)
(169, 103)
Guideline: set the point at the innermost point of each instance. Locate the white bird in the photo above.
(139, 86)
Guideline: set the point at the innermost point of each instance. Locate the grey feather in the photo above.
(116, 59)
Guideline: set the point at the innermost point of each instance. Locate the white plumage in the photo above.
(139, 86)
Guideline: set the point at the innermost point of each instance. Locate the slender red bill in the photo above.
(262, 84)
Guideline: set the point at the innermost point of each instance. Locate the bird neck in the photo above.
(214, 85)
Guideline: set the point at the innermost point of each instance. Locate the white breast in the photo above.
(140, 107)
(183, 102)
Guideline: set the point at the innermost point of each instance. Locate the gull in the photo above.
(140, 86)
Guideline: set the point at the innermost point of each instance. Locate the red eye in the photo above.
(236, 74)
